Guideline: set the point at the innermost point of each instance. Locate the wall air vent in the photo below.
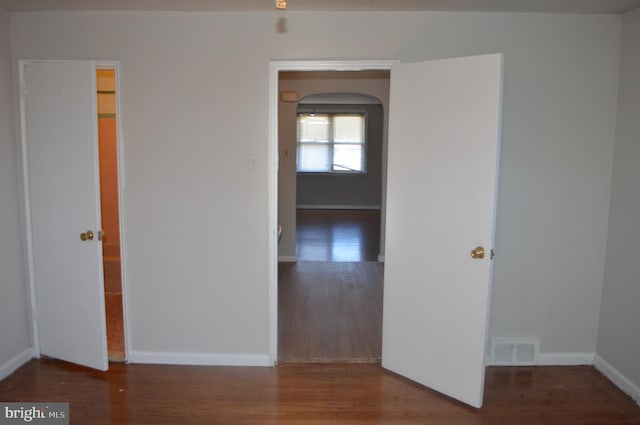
(514, 352)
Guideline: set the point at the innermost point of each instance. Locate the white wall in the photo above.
(195, 113)
(15, 340)
(618, 337)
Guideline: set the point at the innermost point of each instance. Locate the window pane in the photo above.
(348, 128)
(347, 158)
(313, 157)
(331, 143)
(314, 127)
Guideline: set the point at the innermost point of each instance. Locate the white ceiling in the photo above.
(536, 6)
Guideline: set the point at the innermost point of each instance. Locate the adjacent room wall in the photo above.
(195, 117)
(618, 338)
(15, 339)
(346, 191)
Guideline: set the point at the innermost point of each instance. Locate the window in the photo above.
(331, 143)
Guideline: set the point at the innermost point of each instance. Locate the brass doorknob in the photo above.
(477, 253)
(88, 235)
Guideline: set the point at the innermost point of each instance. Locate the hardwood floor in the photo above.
(338, 235)
(113, 304)
(315, 394)
(115, 326)
(330, 301)
(330, 311)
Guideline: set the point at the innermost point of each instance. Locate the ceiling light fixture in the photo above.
(281, 4)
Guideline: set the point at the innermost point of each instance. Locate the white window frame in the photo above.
(331, 143)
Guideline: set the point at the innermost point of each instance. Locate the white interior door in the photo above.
(444, 133)
(60, 122)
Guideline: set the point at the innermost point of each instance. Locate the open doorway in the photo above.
(329, 276)
(109, 206)
(453, 168)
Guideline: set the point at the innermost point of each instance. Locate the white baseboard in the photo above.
(202, 359)
(12, 365)
(551, 359)
(338, 207)
(564, 359)
(287, 259)
(621, 381)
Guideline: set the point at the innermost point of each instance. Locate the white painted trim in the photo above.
(272, 190)
(551, 359)
(614, 375)
(565, 359)
(332, 65)
(338, 207)
(35, 330)
(202, 359)
(98, 216)
(12, 365)
(275, 67)
(287, 259)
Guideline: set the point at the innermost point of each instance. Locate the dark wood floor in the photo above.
(337, 235)
(330, 301)
(330, 311)
(318, 394)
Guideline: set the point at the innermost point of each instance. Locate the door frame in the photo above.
(275, 67)
(26, 196)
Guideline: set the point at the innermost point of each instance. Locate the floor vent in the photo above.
(514, 352)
